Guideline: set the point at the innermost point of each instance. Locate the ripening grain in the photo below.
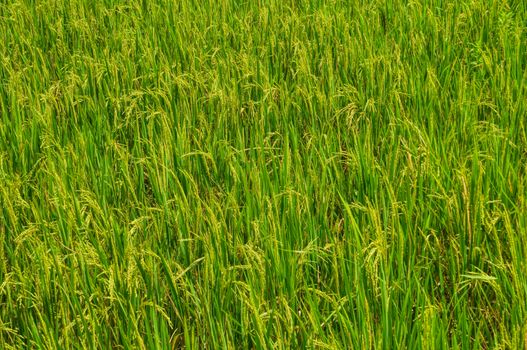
(263, 174)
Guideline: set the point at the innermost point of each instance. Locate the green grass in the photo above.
(269, 174)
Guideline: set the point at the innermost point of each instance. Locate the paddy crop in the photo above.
(263, 174)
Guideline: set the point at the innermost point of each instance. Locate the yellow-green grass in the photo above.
(269, 174)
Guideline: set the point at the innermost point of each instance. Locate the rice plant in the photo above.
(264, 174)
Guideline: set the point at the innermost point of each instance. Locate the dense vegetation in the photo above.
(339, 174)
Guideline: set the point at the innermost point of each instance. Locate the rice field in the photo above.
(263, 174)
